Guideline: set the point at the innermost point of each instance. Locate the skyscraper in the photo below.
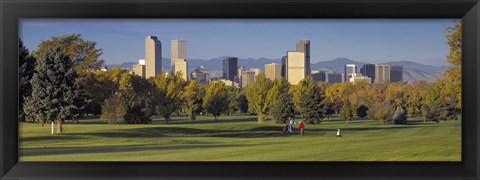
(319, 76)
(396, 73)
(348, 71)
(247, 78)
(334, 78)
(153, 56)
(273, 71)
(284, 65)
(382, 73)
(181, 65)
(199, 75)
(296, 69)
(139, 69)
(304, 46)
(230, 65)
(178, 50)
(369, 71)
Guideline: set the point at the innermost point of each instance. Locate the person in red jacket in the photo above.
(301, 127)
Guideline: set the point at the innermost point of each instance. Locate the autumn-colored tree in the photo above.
(193, 97)
(83, 53)
(257, 96)
(454, 74)
(395, 94)
(169, 95)
(334, 93)
(280, 86)
(415, 94)
(215, 100)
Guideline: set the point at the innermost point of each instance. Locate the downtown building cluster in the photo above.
(294, 67)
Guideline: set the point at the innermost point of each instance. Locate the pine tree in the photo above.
(56, 94)
(283, 108)
(400, 116)
(309, 100)
(26, 64)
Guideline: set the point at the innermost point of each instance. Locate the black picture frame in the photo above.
(11, 11)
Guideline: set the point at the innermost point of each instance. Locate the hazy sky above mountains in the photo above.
(374, 41)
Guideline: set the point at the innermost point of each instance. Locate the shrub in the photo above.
(400, 116)
(362, 111)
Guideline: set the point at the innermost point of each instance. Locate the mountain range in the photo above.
(411, 71)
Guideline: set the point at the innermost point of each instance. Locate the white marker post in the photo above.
(52, 127)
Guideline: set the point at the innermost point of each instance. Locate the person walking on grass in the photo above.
(301, 126)
(290, 125)
(339, 132)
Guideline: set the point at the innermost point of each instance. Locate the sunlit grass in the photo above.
(240, 138)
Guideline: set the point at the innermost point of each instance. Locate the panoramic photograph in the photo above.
(334, 90)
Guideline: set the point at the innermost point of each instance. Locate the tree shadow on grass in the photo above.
(50, 138)
(210, 121)
(43, 151)
(159, 132)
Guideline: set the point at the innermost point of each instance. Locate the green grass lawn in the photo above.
(240, 138)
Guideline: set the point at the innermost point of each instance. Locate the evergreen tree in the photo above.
(56, 94)
(400, 116)
(26, 69)
(309, 100)
(283, 108)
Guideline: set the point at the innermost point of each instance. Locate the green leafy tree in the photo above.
(25, 73)
(346, 112)
(169, 93)
(215, 99)
(280, 86)
(242, 102)
(141, 102)
(56, 94)
(257, 96)
(114, 110)
(309, 100)
(283, 108)
(233, 94)
(193, 97)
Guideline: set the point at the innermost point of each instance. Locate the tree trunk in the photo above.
(260, 118)
(192, 115)
(166, 119)
(59, 127)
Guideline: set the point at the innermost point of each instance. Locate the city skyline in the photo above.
(374, 41)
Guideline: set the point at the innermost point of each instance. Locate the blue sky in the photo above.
(375, 41)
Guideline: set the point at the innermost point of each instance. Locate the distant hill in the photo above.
(412, 71)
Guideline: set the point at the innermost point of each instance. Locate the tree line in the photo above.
(61, 81)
